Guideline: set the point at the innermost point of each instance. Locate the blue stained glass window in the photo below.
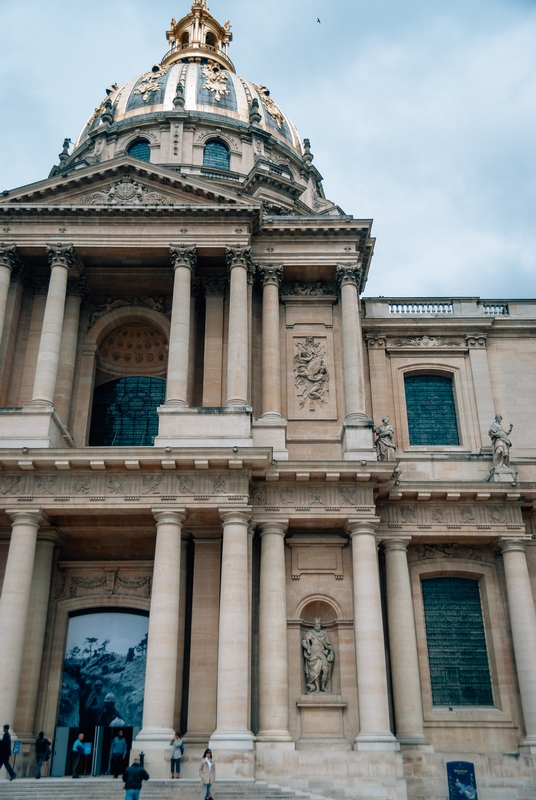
(124, 412)
(431, 410)
(217, 155)
(457, 652)
(141, 150)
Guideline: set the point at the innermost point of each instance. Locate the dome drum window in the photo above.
(140, 149)
(216, 154)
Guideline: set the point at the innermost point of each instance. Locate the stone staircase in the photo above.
(110, 789)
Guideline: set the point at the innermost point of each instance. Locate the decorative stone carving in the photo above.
(385, 446)
(181, 255)
(134, 345)
(311, 376)
(271, 107)
(500, 443)
(215, 80)
(214, 287)
(347, 495)
(11, 485)
(348, 273)
(179, 101)
(454, 550)
(45, 485)
(186, 485)
(409, 514)
(306, 290)
(40, 287)
(496, 515)
(426, 341)
(108, 112)
(271, 273)
(376, 342)
(238, 257)
(151, 484)
(257, 496)
(160, 304)
(116, 485)
(149, 82)
(76, 287)
(478, 340)
(319, 657)
(467, 514)
(10, 256)
(438, 515)
(126, 192)
(254, 113)
(62, 255)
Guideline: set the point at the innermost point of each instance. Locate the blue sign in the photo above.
(87, 748)
(16, 748)
(461, 780)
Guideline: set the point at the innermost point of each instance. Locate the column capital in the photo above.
(271, 274)
(509, 544)
(76, 287)
(395, 542)
(238, 257)
(277, 526)
(10, 256)
(356, 526)
(349, 273)
(174, 516)
(182, 255)
(230, 515)
(61, 255)
(214, 287)
(476, 341)
(34, 516)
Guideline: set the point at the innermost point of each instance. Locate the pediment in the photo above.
(127, 182)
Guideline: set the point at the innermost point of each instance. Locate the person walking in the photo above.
(5, 753)
(133, 777)
(177, 750)
(79, 754)
(118, 753)
(207, 773)
(42, 752)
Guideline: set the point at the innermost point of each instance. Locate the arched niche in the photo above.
(308, 610)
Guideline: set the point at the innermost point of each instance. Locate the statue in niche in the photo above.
(385, 446)
(319, 656)
(500, 443)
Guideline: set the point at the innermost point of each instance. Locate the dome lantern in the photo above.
(199, 35)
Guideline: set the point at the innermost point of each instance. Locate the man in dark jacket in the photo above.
(42, 752)
(133, 777)
(5, 752)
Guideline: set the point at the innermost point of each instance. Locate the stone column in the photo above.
(232, 711)
(162, 645)
(14, 604)
(403, 644)
(213, 361)
(35, 634)
(238, 260)
(523, 622)
(357, 425)
(183, 259)
(9, 260)
(61, 259)
(69, 344)
(272, 275)
(273, 650)
(374, 729)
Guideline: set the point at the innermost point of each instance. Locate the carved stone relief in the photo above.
(215, 80)
(477, 516)
(102, 578)
(427, 341)
(454, 550)
(160, 304)
(332, 497)
(126, 192)
(311, 376)
(306, 290)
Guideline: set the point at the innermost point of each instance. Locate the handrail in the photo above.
(198, 46)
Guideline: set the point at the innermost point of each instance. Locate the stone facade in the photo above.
(263, 507)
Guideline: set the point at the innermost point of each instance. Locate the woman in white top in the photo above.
(207, 773)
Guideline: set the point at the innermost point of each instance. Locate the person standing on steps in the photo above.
(207, 773)
(177, 750)
(133, 777)
(5, 753)
(42, 752)
(79, 754)
(118, 753)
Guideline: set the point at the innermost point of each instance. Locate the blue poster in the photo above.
(461, 780)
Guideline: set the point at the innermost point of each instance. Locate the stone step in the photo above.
(109, 789)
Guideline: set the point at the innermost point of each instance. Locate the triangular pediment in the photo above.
(127, 182)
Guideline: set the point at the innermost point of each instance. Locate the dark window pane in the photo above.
(216, 155)
(431, 410)
(124, 412)
(140, 150)
(457, 652)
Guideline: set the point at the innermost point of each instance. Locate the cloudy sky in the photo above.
(421, 114)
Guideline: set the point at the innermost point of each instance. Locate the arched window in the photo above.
(216, 154)
(124, 412)
(140, 149)
(431, 410)
(210, 39)
(185, 38)
(457, 652)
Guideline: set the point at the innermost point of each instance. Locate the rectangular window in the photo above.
(431, 410)
(457, 652)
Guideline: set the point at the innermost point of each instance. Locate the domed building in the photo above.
(239, 500)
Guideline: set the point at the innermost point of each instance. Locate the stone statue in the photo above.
(500, 443)
(319, 657)
(385, 446)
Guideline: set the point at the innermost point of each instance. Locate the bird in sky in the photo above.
(318, 20)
